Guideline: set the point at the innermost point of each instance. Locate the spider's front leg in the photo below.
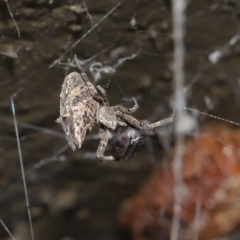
(157, 124)
(138, 124)
(126, 110)
(102, 146)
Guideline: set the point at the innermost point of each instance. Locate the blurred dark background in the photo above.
(73, 195)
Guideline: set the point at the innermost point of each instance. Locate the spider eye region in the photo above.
(107, 117)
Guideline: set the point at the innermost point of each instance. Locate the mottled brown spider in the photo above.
(82, 108)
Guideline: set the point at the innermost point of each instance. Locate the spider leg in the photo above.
(104, 93)
(91, 88)
(127, 110)
(138, 124)
(102, 146)
(121, 123)
(102, 90)
(157, 124)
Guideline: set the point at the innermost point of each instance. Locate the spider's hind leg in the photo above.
(104, 93)
(102, 90)
(90, 86)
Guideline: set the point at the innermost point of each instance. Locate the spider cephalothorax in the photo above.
(81, 108)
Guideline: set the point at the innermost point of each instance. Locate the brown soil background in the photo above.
(79, 198)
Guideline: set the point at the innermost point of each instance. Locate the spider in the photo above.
(82, 108)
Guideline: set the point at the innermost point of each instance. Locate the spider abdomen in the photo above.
(78, 109)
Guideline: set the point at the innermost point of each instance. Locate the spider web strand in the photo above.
(22, 168)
